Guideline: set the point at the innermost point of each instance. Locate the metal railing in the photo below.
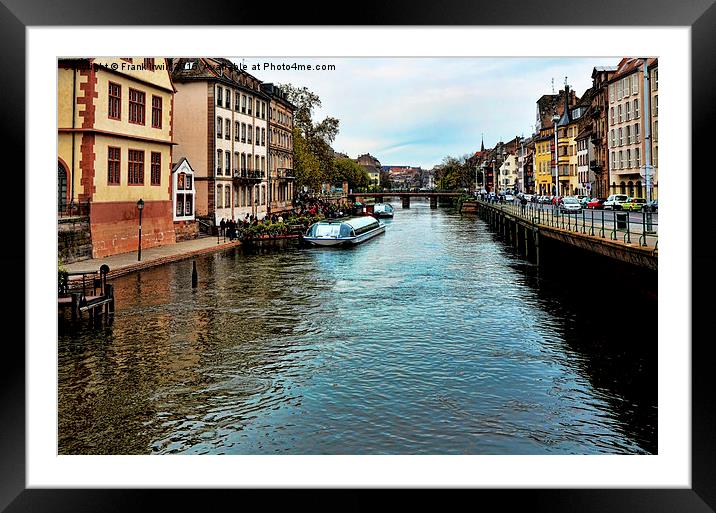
(249, 174)
(639, 228)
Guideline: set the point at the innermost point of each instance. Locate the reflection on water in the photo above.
(433, 338)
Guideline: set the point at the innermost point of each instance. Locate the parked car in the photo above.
(650, 206)
(509, 197)
(596, 203)
(614, 201)
(528, 197)
(584, 201)
(569, 205)
(634, 204)
(582, 197)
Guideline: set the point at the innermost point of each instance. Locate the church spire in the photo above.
(482, 146)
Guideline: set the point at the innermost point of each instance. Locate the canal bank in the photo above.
(125, 263)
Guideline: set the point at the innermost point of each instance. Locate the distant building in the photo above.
(372, 167)
(599, 162)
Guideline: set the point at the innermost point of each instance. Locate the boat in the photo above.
(348, 230)
(383, 210)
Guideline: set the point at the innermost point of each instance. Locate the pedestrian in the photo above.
(222, 226)
(523, 203)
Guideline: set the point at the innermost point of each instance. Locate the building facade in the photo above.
(372, 166)
(115, 148)
(221, 126)
(626, 128)
(281, 177)
(654, 135)
(599, 163)
(509, 178)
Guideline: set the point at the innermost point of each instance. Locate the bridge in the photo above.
(405, 196)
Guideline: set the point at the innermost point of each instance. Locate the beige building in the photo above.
(221, 127)
(626, 128)
(508, 174)
(115, 148)
(280, 152)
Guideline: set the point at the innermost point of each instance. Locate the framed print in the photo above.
(489, 322)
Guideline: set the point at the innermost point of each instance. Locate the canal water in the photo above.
(433, 338)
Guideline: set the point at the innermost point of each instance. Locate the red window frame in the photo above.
(114, 163)
(156, 168)
(156, 111)
(114, 102)
(137, 105)
(135, 167)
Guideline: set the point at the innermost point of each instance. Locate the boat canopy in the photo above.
(361, 222)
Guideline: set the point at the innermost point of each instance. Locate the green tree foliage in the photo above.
(454, 173)
(385, 182)
(350, 171)
(312, 139)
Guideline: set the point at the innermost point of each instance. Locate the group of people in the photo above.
(305, 204)
(230, 227)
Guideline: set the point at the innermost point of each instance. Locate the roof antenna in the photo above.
(552, 85)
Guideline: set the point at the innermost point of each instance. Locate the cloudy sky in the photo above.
(415, 111)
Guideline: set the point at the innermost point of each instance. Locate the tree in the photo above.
(316, 137)
(350, 171)
(453, 173)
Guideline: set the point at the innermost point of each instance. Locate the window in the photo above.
(258, 163)
(637, 157)
(619, 111)
(135, 167)
(636, 133)
(219, 195)
(156, 111)
(621, 159)
(263, 137)
(227, 196)
(627, 107)
(219, 160)
(156, 170)
(180, 205)
(227, 135)
(243, 103)
(251, 105)
(136, 106)
(243, 132)
(655, 80)
(227, 166)
(612, 163)
(611, 115)
(248, 161)
(227, 99)
(656, 106)
(626, 86)
(236, 130)
(236, 160)
(628, 158)
(219, 95)
(620, 89)
(114, 109)
(236, 198)
(219, 127)
(113, 165)
(656, 131)
(237, 98)
(635, 83)
(149, 64)
(250, 134)
(243, 161)
(636, 109)
(614, 139)
(628, 135)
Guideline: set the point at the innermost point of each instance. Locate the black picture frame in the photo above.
(700, 15)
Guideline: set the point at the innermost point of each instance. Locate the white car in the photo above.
(570, 204)
(614, 202)
(509, 197)
(528, 197)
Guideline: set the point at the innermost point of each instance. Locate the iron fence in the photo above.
(639, 228)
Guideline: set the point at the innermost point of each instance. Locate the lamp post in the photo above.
(647, 142)
(140, 207)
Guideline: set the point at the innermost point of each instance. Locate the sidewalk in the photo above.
(127, 262)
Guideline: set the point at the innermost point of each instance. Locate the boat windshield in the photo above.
(326, 230)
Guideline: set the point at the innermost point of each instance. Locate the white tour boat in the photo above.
(348, 230)
(383, 210)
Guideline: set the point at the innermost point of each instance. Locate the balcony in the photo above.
(284, 172)
(595, 165)
(248, 174)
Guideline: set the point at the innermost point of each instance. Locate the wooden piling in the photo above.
(194, 275)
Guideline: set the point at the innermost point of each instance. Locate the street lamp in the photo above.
(140, 207)
(555, 119)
